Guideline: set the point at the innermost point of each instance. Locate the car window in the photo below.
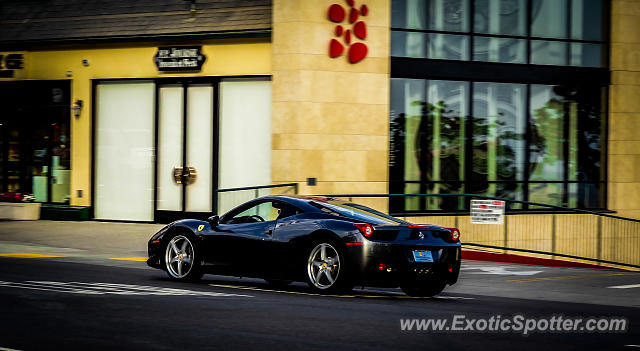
(357, 212)
(261, 212)
(286, 210)
(264, 211)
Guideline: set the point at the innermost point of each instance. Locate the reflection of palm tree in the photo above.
(439, 151)
(438, 147)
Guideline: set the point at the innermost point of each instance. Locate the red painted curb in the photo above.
(519, 259)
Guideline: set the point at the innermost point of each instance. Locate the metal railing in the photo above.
(563, 232)
(232, 197)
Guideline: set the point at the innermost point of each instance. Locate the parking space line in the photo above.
(625, 286)
(529, 280)
(137, 259)
(26, 255)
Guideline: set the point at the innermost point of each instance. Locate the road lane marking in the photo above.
(529, 280)
(7, 349)
(26, 255)
(243, 287)
(631, 345)
(96, 288)
(138, 259)
(625, 286)
(499, 271)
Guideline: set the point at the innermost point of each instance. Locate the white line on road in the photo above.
(7, 349)
(631, 345)
(625, 286)
(500, 270)
(110, 289)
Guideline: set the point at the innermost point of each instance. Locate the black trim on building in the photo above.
(404, 67)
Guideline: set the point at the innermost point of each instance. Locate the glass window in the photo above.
(546, 147)
(586, 195)
(448, 15)
(428, 135)
(498, 138)
(408, 44)
(586, 55)
(448, 47)
(430, 124)
(549, 18)
(357, 212)
(500, 17)
(499, 50)
(432, 21)
(588, 115)
(586, 19)
(124, 151)
(410, 14)
(261, 212)
(548, 52)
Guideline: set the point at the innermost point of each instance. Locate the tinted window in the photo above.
(357, 212)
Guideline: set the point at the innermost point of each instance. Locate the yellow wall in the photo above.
(624, 109)
(223, 57)
(330, 117)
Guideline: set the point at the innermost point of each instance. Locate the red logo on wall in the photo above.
(357, 51)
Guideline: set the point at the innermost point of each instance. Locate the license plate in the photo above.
(422, 256)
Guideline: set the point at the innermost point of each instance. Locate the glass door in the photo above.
(185, 152)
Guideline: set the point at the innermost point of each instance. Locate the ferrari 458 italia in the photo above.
(332, 245)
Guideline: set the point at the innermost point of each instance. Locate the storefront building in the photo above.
(141, 114)
(136, 128)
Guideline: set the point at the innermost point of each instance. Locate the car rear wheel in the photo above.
(326, 268)
(423, 289)
(181, 261)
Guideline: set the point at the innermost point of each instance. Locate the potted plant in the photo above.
(19, 206)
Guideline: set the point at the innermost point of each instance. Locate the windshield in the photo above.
(357, 212)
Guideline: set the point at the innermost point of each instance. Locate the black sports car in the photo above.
(331, 244)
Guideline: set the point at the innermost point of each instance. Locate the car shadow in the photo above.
(299, 288)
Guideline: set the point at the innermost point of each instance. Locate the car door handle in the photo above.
(269, 232)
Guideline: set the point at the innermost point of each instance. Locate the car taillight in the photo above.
(365, 228)
(455, 234)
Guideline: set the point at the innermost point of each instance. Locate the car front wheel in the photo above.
(181, 260)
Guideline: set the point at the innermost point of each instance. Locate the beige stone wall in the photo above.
(330, 117)
(624, 109)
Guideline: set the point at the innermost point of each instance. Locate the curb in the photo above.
(520, 259)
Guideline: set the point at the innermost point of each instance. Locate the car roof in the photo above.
(304, 198)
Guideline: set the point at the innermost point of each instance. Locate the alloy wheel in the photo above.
(323, 266)
(179, 256)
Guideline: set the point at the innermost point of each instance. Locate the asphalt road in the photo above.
(96, 303)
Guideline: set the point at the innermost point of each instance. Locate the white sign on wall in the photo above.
(487, 212)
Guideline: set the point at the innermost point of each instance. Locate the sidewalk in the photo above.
(76, 239)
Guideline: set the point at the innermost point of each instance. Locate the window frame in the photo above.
(397, 186)
(528, 37)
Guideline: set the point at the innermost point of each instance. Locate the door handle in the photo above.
(269, 232)
(191, 175)
(177, 175)
(188, 175)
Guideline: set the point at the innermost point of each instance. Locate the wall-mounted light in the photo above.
(77, 108)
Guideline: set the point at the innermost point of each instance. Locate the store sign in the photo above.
(353, 30)
(9, 63)
(487, 212)
(179, 59)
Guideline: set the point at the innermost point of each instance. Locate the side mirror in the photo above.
(214, 220)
